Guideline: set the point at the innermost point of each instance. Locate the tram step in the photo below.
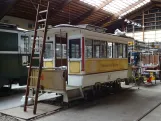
(73, 94)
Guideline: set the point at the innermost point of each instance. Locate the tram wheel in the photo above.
(88, 95)
(127, 82)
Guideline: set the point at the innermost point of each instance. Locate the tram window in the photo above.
(88, 48)
(58, 50)
(120, 51)
(96, 48)
(61, 51)
(25, 60)
(109, 50)
(124, 51)
(74, 48)
(25, 45)
(103, 49)
(38, 44)
(115, 50)
(64, 51)
(48, 51)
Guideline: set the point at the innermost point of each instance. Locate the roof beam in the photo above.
(99, 23)
(89, 13)
(6, 6)
(60, 8)
(113, 18)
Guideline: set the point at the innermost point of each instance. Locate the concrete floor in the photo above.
(11, 99)
(127, 105)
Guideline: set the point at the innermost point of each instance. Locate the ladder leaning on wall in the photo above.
(37, 23)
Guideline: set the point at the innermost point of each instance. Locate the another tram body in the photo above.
(94, 57)
(14, 55)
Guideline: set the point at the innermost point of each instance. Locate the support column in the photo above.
(143, 25)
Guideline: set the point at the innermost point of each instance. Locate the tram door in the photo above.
(61, 50)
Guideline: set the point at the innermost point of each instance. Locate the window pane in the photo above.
(120, 51)
(61, 51)
(48, 51)
(109, 50)
(74, 48)
(25, 46)
(103, 49)
(115, 50)
(64, 50)
(25, 60)
(88, 48)
(96, 48)
(58, 50)
(124, 51)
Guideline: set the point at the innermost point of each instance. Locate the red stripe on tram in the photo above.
(82, 53)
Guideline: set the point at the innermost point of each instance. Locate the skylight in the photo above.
(95, 3)
(135, 7)
(117, 7)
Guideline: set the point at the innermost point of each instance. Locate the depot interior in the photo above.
(80, 50)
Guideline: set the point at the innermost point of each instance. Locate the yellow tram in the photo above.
(92, 57)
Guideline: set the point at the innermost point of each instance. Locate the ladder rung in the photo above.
(31, 96)
(33, 77)
(33, 67)
(42, 20)
(44, 11)
(35, 57)
(32, 86)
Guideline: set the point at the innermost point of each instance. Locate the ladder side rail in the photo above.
(41, 61)
(31, 60)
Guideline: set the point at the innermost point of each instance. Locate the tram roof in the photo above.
(88, 31)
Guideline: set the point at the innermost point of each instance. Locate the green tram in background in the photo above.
(15, 52)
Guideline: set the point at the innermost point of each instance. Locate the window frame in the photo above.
(87, 39)
(70, 48)
(95, 48)
(51, 50)
(111, 49)
(103, 54)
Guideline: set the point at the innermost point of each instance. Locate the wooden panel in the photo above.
(48, 64)
(50, 80)
(74, 67)
(60, 62)
(61, 40)
(105, 65)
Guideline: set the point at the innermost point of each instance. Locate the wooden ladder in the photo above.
(37, 23)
